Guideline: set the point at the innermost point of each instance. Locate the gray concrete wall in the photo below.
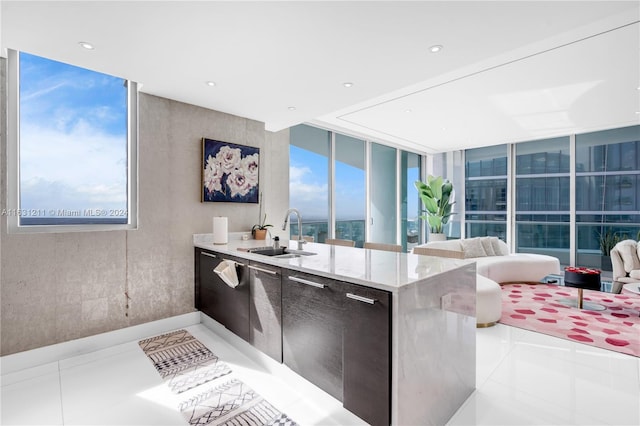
(63, 286)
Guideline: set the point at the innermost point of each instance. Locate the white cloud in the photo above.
(301, 188)
(40, 194)
(310, 197)
(84, 167)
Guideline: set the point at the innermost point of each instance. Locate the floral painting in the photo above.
(229, 172)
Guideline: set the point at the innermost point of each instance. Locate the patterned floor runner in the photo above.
(185, 363)
(536, 307)
(182, 360)
(232, 403)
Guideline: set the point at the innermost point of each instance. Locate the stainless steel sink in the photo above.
(288, 256)
(281, 253)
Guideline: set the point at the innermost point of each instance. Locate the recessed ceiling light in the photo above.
(211, 83)
(347, 84)
(291, 108)
(407, 111)
(436, 48)
(86, 45)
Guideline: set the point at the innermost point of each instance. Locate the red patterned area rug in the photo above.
(535, 307)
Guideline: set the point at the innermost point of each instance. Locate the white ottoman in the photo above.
(488, 302)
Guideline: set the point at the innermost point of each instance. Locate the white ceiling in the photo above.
(508, 72)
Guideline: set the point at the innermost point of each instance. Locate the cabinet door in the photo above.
(366, 353)
(312, 329)
(265, 309)
(229, 306)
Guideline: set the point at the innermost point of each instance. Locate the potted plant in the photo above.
(437, 196)
(607, 240)
(259, 231)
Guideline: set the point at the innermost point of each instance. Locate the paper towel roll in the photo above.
(220, 235)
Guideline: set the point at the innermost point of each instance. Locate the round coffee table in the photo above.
(582, 278)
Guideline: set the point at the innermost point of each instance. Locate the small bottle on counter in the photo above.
(276, 242)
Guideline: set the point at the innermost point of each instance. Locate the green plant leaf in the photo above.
(435, 223)
(431, 205)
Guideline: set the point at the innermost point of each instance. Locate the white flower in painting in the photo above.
(213, 175)
(238, 184)
(229, 158)
(250, 168)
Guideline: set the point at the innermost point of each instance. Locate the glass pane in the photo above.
(546, 231)
(350, 193)
(410, 201)
(309, 180)
(486, 191)
(383, 194)
(607, 192)
(609, 150)
(73, 144)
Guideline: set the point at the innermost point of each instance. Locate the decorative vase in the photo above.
(260, 234)
(437, 236)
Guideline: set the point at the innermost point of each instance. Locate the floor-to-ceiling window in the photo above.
(607, 192)
(409, 200)
(543, 197)
(309, 180)
(383, 202)
(350, 188)
(353, 189)
(486, 192)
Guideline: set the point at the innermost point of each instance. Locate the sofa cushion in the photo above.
(500, 247)
(472, 247)
(488, 246)
(629, 255)
(635, 274)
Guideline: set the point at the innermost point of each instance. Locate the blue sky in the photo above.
(73, 137)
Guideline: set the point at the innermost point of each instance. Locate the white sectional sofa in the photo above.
(493, 259)
(625, 259)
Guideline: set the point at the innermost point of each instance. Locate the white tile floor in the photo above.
(522, 378)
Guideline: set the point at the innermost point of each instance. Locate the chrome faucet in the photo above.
(301, 240)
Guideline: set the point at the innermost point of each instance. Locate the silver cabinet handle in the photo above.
(311, 283)
(208, 254)
(263, 270)
(361, 299)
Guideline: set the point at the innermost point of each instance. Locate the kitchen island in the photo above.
(391, 335)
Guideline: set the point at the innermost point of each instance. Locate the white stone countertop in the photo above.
(373, 268)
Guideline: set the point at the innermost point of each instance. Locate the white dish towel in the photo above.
(227, 271)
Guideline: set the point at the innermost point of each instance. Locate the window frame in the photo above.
(13, 161)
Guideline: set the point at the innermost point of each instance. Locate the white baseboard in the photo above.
(47, 354)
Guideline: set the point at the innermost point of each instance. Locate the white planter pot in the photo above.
(437, 237)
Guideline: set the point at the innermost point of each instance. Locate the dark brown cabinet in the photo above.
(335, 334)
(366, 369)
(338, 336)
(229, 306)
(265, 309)
(312, 329)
